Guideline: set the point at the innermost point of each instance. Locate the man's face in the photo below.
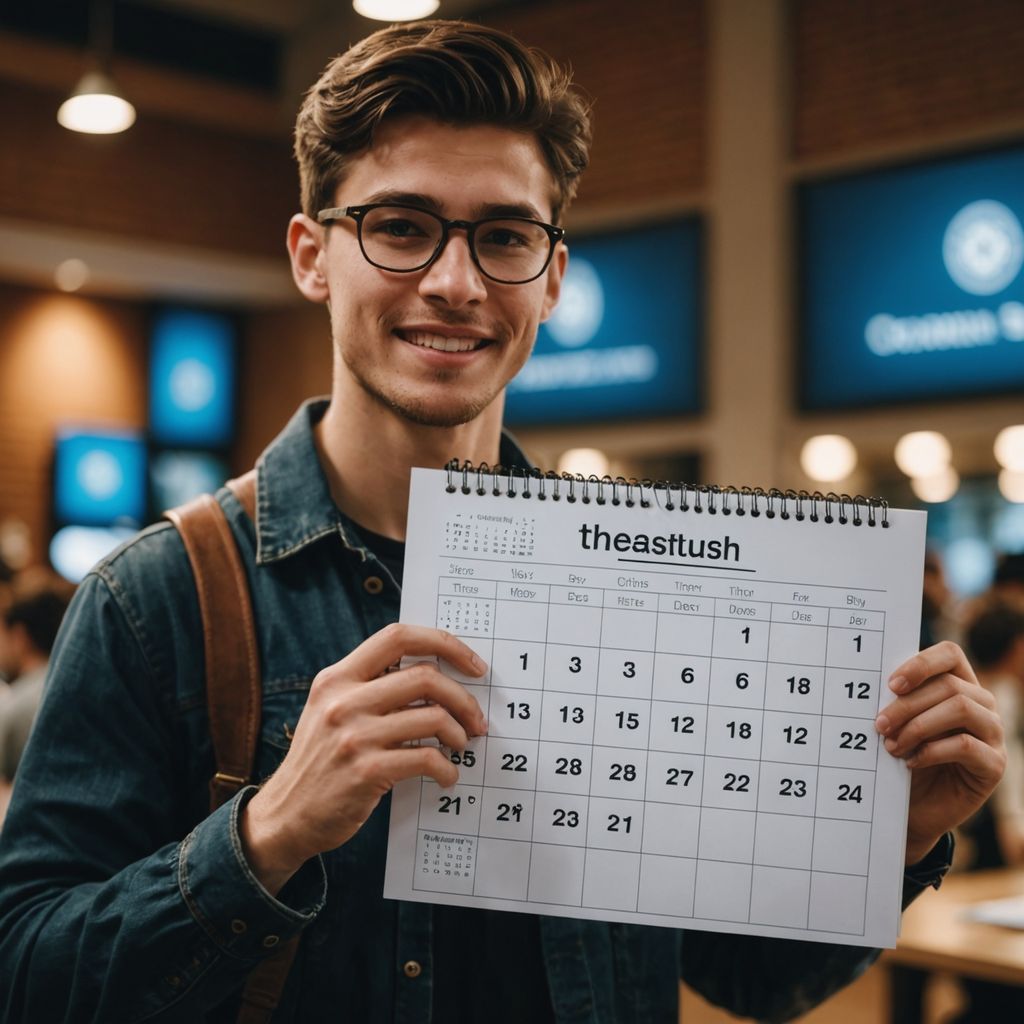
(391, 329)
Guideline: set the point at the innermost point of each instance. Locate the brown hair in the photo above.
(453, 71)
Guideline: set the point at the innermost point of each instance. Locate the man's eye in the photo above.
(504, 238)
(397, 228)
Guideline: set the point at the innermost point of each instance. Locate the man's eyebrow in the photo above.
(425, 202)
(404, 199)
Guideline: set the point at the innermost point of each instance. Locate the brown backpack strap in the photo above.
(233, 687)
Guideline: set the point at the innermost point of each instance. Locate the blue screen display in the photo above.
(178, 476)
(192, 378)
(99, 478)
(912, 282)
(625, 338)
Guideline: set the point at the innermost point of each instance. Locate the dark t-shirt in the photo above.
(481, 957)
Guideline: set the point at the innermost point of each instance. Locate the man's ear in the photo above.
(306, 240)
(554, 280)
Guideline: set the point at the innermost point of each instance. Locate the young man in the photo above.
(435, 160)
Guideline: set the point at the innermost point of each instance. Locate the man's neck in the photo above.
(368, 450)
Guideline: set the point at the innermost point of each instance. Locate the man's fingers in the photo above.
(419, 723)
(932, 661)
(958, 713)
(424, 682)
(980, 762)
(412, 762)
(375, 655)
(895, 715)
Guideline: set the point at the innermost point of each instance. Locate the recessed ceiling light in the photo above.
(395, 10)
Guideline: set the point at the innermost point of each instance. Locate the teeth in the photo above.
(439, 342)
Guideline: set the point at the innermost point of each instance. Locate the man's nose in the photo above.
(453, 277)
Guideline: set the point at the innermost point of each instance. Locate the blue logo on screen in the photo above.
(984, 247)
(912, 282)
(99, 479)
(623, 339)
(580, 310)
(192, 379)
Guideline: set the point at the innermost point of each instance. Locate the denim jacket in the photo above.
(123, 899)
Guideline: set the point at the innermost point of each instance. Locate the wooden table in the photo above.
(936, 937)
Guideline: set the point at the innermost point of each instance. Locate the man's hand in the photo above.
(353, 742)
(944, 723)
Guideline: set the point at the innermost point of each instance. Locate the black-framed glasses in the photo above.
(403, 239)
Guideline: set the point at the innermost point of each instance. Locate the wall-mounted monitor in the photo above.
(911, 282)
(179, 476)
(625, 339)
(99, 478)
(192, 378)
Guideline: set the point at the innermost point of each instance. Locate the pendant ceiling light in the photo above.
(96, 106)
(395, 10)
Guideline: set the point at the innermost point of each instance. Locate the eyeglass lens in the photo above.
(397, 238)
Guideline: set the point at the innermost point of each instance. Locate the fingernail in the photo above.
(898, 684)
(883, 725)
(483, 724)
(891, 746)
(479, 664)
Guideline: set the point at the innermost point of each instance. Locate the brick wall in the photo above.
(63, 360)
(163, 181)
(646, 70)
(870, 72)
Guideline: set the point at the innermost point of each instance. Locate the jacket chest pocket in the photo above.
(278, 718)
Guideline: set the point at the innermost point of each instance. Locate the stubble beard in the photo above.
(454, 412)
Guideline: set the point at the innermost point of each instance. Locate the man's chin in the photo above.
(449, 410)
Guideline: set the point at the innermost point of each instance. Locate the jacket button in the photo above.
(412, 969)
(373, 584)
(238, 926)
(271, 941)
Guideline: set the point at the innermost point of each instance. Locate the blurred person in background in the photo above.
(1009, 575)
(437, 159)
(995, 640)
(938, 621)
(30, 623)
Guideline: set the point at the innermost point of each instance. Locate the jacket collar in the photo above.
(294, 506)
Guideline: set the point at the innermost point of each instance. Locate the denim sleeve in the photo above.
(776, 980)
(108, 912)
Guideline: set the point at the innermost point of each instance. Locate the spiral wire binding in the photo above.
(702, 499)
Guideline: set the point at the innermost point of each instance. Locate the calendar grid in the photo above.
(483, 619)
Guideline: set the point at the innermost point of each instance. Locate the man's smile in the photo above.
(442, 339)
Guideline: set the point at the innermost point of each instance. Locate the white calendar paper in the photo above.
(681, 712)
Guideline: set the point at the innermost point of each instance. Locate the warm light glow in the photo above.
(1011, 484)
(1009, 448)
(828, 458)
(395, 10)
(96, 107)
(71, 275)
(937, 487)
(585, 461)
(923, 453)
